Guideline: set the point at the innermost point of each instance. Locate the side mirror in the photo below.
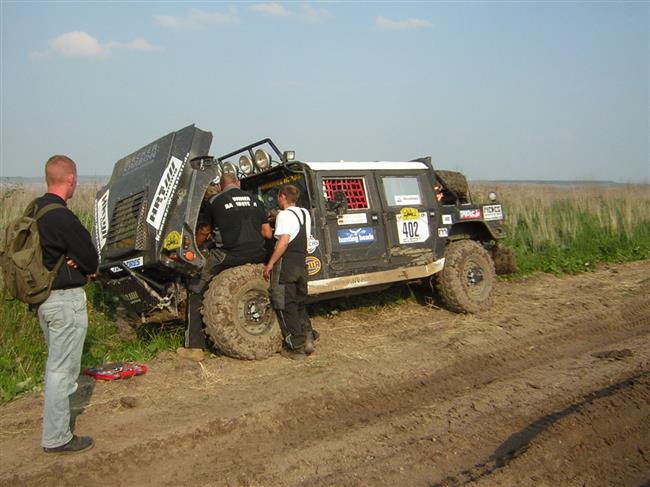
(201, 162)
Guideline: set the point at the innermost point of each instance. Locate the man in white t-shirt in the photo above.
(288, 273)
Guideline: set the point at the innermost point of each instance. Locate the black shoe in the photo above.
(293, 354)
(75, 445)
(309, 344)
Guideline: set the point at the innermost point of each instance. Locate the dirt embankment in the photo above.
(550, 387)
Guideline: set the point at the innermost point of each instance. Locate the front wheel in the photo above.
(465, 283)
(238, 315)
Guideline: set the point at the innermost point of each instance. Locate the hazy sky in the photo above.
(499, 90)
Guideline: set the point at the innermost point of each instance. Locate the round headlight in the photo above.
(493, 196)
(246, 165)
(229, 167)
(262, 160)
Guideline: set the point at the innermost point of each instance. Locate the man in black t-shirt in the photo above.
(241, 219)
(63, 315)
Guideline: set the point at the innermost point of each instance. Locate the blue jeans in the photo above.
(64, 321)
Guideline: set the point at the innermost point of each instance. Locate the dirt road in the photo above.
(551, 387)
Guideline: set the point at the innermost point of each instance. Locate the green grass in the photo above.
(552, 229)
(23, 352)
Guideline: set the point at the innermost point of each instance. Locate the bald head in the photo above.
(229, 179)
(61, 176)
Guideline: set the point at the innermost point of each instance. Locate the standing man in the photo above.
(241, 220)
(288, 274)
(63, 316)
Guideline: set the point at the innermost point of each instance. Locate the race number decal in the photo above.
(412, 226)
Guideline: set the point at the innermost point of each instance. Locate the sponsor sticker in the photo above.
(443, 232)
(312, 244)
(164, 193)
(447, 220)
(409, 213)
(313, 265)
(469, 214)
(131, 264)
(352, 219)
(172, 241)
(412, 228)
(101, 217)
(352, 236)
(492, 212)
(407, 199)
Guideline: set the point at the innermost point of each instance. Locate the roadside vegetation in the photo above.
(553, 228)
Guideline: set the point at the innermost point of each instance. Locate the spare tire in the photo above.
(455, 182)
(238, 315)
(466, 282)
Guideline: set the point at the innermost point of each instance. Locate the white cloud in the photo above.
(81, 45)
(305, 12)
(138, 44)
(78, 45)
(271, 9)
(197, 18)
(411, 23)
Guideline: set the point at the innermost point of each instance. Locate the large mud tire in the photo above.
(466, 282)
(238, 315)
(455, 182)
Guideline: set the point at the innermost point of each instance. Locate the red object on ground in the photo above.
(115, 371)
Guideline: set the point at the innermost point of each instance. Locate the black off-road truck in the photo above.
(374, 224)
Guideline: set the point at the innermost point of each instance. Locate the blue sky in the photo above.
(499, 90)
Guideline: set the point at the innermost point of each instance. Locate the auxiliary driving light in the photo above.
(262, 160)
(229, 168)
(246, 165)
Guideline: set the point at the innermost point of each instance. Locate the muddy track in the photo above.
(525, 394)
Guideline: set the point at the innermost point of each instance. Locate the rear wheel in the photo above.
(238, 315)
(465, 283)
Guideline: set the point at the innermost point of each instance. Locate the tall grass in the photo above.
(22, 349)
(553, 228)
(562, 228)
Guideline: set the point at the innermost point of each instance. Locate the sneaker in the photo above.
(75, 445)
(293, 354)
(193, 354)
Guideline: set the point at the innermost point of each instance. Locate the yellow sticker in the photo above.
(313, 265)
(172, 241)
(409, 213)
(280, 182)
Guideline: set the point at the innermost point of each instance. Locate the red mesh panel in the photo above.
(353, 189)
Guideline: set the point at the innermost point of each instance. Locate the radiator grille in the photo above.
(126, 221)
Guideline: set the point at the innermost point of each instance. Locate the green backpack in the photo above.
(25, 276)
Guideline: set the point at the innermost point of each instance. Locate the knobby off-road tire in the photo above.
(238, 315)
(456, 182)
(465, 283)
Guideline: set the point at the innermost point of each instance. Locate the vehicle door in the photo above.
(410, 216)
(354, 231)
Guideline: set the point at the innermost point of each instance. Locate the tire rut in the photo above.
(334, 416)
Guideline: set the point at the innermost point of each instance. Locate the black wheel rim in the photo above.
(255, 313)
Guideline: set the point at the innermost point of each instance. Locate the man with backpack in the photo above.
(67, 248)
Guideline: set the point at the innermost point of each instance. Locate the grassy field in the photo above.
(553, 228)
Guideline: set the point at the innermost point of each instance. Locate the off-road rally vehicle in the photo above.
(374, 224)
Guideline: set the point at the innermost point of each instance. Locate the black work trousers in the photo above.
(217, 261)
(289, 296)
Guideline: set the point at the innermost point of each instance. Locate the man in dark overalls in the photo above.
(241, 219)
(288, 273)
